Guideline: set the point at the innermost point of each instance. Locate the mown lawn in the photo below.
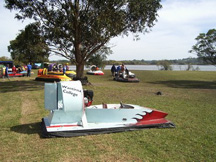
(188, 96)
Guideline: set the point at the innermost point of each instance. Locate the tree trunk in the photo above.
(80, 69)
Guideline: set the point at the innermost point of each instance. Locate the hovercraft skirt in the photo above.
(84, 132)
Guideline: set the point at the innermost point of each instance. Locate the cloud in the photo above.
(9, 28)
(179, 22)
(188, 12)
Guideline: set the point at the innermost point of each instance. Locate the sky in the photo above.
(179, 23)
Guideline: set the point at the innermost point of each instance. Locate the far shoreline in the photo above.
(157, 68)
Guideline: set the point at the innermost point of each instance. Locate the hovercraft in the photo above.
(94, 70)
(11, 74)
(126, 77)
(128, 74)
(43, 76)
(120, 79)
(71, 113)
(24, 73)
(68, 73)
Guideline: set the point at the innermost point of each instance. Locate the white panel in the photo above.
(50, 96)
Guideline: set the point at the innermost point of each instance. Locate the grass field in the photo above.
(189, 97)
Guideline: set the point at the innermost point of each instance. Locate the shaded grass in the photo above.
(188, 97)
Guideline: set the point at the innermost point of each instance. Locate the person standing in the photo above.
(64, 69)
(123, 70)
(6, 71)
(113, 70)
(118, 70)
(67, 67)
(29, 67)
(14, 69)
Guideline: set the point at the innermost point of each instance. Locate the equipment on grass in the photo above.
(72, 115)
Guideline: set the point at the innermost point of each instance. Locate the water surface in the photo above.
(155, 67)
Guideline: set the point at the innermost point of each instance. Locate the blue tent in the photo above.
(10, 63)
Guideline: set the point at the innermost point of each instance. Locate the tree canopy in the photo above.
(5, 58)
(76, 29)
(29, 46)
(205, 47)
(99, 57)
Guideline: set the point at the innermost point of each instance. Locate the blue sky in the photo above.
(179, 22)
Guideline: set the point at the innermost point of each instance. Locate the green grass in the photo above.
(188, 97)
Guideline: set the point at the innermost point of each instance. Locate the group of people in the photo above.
(14, 70)
(58, 68)
(120, 70)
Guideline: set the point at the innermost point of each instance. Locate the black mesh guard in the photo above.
(88, 94)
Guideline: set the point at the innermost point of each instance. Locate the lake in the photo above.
(155, 67)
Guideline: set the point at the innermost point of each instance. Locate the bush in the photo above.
(165, 65)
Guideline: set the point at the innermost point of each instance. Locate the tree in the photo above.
(165, 65)
(206, 46)
(5, 58)
(98, 60)
(29, 46)
(77, 29)
(99, 57)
